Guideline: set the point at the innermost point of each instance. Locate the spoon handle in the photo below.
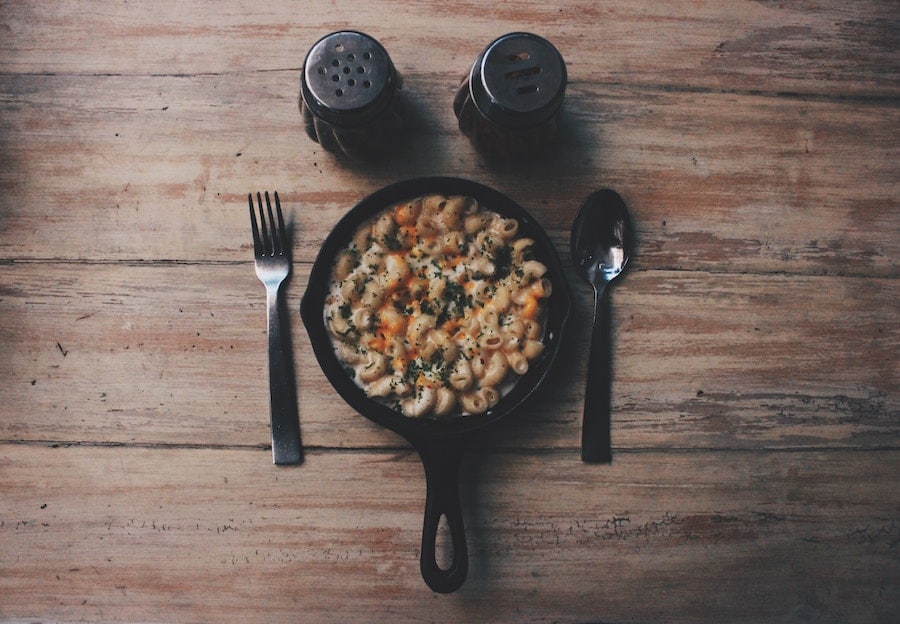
(596, 444)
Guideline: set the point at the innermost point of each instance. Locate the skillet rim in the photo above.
(312, 304)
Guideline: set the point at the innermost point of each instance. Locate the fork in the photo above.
(270, 249)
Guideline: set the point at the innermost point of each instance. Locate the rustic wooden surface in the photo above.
(756, 434)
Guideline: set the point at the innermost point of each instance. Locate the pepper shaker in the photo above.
(508, 103)
(349, 91)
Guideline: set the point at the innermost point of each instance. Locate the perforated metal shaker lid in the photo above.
(348, 78)
(519, 80)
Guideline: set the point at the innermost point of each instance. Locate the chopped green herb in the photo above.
(392, 241)
(502, 261)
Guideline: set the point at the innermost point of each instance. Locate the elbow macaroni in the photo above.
(436, 306)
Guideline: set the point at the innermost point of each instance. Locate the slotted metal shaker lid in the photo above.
(519, 80)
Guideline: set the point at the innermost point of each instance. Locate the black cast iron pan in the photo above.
(440, 443)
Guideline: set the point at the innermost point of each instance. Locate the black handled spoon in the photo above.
(601, 245)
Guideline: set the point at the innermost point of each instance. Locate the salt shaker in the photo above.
(508, 103)
(349, 92)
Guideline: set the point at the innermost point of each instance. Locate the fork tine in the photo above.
(257, 243)
(282, 232)
(264, 229)
(273, 229)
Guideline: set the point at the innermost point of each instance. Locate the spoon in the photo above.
(601, 244)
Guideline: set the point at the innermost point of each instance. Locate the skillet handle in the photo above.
(441, 460)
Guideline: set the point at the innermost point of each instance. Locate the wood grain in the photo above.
(822, 47)
(174, 354)
(756, 422)
(224, 536)
(715, 181)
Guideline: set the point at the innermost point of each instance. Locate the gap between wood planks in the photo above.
(473, 450)
(874, 98)
(170, 262)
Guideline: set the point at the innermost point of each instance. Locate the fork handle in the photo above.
(286, 447)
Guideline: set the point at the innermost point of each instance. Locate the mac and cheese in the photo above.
(436, 305)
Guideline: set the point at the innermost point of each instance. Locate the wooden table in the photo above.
(756, 435)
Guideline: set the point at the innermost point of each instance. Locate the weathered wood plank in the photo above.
(824, 47)
(96, 534)
(175, 354)
(97, 168)
(755, 428)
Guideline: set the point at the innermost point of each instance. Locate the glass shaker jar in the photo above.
(508, 103)
(349, 92)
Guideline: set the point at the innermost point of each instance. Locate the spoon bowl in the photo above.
(601, 244)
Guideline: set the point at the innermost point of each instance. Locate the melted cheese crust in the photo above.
(436, 306)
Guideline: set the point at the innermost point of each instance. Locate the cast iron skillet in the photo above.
(440, 443)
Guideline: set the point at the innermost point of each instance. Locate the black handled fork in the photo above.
(273, 265)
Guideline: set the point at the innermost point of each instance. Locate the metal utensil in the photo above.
(601, 245)
(270, 248)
